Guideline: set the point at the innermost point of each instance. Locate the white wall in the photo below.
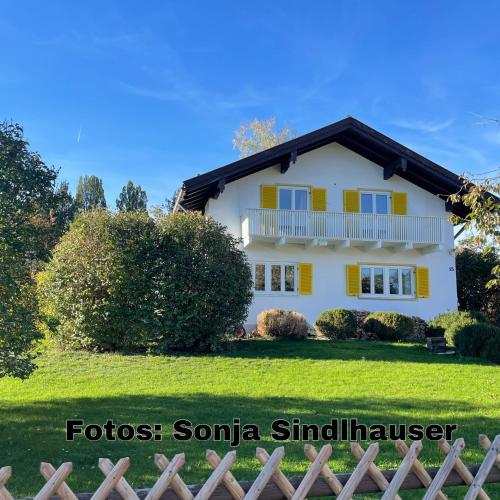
(337, 168)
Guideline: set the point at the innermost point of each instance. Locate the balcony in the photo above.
(342, 230)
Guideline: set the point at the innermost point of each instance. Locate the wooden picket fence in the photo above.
(271, 483)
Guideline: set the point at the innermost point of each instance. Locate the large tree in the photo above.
(132, 199)
(259, 135)
(90, 193)
(27, 196)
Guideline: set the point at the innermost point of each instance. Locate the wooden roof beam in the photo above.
(400, 165)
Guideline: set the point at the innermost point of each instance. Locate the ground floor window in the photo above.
(273, 277)
(388, 281)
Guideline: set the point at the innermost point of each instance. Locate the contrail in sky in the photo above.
(79, 135)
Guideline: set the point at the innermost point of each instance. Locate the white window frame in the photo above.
(293, 189)
(267, 275)
(385, 270)
(374, 202)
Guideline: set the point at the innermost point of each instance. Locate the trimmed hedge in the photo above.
(336, 324)
(277, 323)
(454, 320)
(389, 325)
(479, 340)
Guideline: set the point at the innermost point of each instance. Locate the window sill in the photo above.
(387, 297)
(275, 294)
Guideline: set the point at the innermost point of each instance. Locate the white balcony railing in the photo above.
(262, 223)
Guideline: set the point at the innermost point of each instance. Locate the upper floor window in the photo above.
(375, 202)
(387, 281)
(293, 198)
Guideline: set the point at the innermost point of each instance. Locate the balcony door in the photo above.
(377, 203)
(295, 200)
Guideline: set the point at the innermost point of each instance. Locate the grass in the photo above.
(259, 381)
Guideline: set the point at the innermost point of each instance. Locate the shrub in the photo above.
(277, 323)
(203, 281)
(491, 348)
(454, 320)
(96, 292)
(478, 339)
(389, 325)
(474, 270)
(336, 324)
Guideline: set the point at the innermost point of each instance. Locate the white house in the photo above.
(340, 217)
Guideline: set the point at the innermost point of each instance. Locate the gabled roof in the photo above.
(350, 133)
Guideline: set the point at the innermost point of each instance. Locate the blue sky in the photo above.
(152, 91)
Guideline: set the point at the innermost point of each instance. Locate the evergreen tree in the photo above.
(132, 199)
(90, 193)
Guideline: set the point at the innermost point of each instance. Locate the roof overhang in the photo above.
(392, 157)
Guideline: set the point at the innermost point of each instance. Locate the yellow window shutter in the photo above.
(351, 201)
(399, 204)
(318, 199)
(268, 196)
(423, 283)
(305, 279)
(353, 279)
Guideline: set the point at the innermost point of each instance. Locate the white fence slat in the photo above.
(265, 474)
(278, 477)
(5, 473)
(328, 476)
(228, 480)
(166, 477)
(445, 469)
(417, 468)
(373, 471)
(358, 473)
(486, 444)
(64, 491)
(461, 469)
(488, 462)
(111, 480)
(55, 481)
(403, 471)
(178, 485)
(122, 486)
(313, 472)
(216, 477)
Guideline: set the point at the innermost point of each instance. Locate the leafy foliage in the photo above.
(26, 197)
(132, 198)
(389, 325)
(479, 339)
(454, 320)
(277, 323)
(259, 135)
(203, 283)
(480, 196)
(336, 323)
(96, 291)
(473, 273)
(90, 193)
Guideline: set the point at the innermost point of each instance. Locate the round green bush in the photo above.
(452, 321)
(278, 323)
(479, 339)
(203, 282)
(336, 323)
(96, 292)
(389, 325)
(491, 348)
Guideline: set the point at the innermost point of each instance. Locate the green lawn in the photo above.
(259, 381)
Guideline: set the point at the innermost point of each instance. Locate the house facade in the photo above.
(342, 217)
